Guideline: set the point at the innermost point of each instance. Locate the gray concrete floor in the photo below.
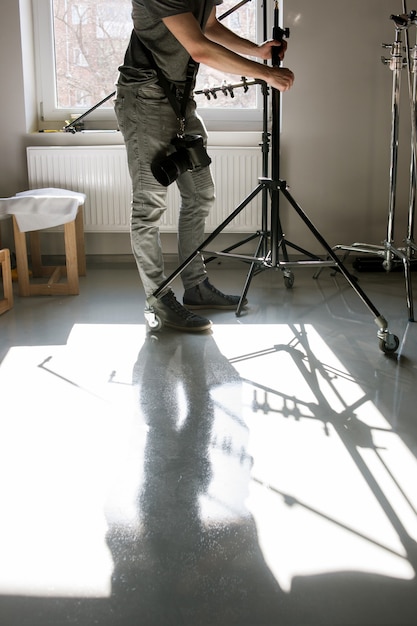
(261, 474)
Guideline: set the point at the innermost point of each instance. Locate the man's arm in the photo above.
(217, 32)
(224, 51)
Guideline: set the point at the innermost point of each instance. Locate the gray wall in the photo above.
(337, 118)
(335, 130)
(18, 103)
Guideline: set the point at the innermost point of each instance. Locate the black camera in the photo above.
(190, 155)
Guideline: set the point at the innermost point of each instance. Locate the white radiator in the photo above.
(101, 173)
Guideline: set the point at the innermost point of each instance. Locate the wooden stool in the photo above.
(6, 272)
(36, 210)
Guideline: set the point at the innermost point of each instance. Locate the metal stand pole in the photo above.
(412, 88)
(396, 65)
(275, 233)
(388, 251)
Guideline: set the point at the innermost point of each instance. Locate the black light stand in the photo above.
(273, 236)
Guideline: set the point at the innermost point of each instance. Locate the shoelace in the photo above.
(171, 302)
(214, 290)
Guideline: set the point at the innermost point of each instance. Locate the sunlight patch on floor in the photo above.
(331, 488)
(67, 413)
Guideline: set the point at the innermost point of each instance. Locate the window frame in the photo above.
(46, 85)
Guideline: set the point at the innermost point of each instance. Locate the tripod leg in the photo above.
(250, 274)
(152, 299)
(407, 276)
(387, 342)
(408, 289)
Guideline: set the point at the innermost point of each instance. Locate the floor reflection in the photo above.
(193, 557)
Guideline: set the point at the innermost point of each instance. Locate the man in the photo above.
(166, 33)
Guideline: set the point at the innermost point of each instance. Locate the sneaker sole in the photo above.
(187, 329)
(218, 307)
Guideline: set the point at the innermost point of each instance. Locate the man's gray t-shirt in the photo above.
(149, 30)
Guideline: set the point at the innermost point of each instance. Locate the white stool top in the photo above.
(37, 209)
(54, 192)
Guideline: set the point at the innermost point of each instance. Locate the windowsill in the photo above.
(106, 137)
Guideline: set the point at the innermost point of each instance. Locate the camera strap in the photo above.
(170, 89)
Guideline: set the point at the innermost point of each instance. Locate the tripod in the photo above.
(272, 248)
(388, 251)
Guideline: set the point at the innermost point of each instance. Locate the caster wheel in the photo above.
(153, 321)
(155, 325)
(289, 280)
(389, 344)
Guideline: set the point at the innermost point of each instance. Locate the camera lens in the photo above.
(167, 170)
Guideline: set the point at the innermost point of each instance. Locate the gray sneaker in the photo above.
(205, 296)
(174, 315)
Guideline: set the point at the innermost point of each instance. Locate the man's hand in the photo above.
(265, 49)
(280, 78)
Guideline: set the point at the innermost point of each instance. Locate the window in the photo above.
(81, 43)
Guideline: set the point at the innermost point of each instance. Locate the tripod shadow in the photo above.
(344, 417)
(193, 557)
